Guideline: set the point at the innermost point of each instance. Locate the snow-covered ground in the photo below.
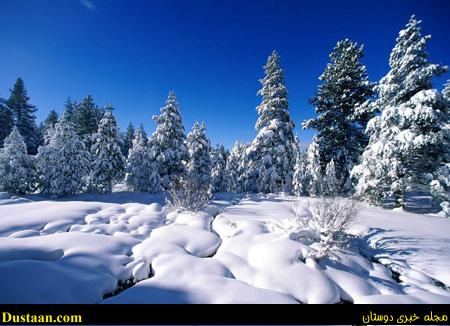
(130, 248)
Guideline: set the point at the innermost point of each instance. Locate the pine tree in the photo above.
(235, 168)
(313, 169)
(142, 172)
(127, 139)
(199, 151)
(86, 118)
(69, 109)
(410, 70)
(274, 144)
(48, 125)
(63, 163)
(167, 142)
(341, 122)
(218, 173)
(17, 170)
(23, 115)
(332, 184)
(409, 140)
(6, 120)
(108, 161)
(300, 182)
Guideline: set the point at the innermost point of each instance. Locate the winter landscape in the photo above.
(93, 214)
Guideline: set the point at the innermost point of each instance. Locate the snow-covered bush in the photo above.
(325, 226)
(188, 193)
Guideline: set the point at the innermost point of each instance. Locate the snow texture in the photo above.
(78, 250)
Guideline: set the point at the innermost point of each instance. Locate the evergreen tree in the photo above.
(86, 118)
(410, 70)
(17, 170)
(300, 182)
(341, 121)
(409, 140)
(23, 116)
(127, 139)
(47, 127)
(63, 163)
(167, 142)
(109, 163)
(142, 172)
(6, 120)
(199, 151)
(218, 173)
(235, 168)
(332, 183)
(274, 145)
(69, 109)
(51, 119)
(313, 169)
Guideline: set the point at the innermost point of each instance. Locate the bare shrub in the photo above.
(188, 194)
(325, 226)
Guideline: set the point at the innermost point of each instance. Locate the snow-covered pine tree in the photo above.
(141, 170)
(218, 173)
(313, 170)
(6, 120)
(264, 179)
(63, 164)
(17, 169)
(48, 125)
(234, 170)
(409, 141)
(274, 144)
(108, 161)
(167, 142)
(199, 150)
(410, 70)
(332, 184)
(300, 183)
(23, 115)
(127, 139)
(340, 126)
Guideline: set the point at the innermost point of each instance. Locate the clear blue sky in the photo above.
(211, 52)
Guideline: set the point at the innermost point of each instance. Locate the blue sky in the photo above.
(210, 52)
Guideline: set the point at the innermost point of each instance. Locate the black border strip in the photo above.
(184, 314)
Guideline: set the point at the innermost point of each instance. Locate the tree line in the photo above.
(373, 140)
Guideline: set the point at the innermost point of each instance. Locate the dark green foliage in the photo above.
(86, 118)
(23, 116)
(340, 125)
(127, 139)
(6, 121)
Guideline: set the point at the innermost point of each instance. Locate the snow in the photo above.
(237, 250)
